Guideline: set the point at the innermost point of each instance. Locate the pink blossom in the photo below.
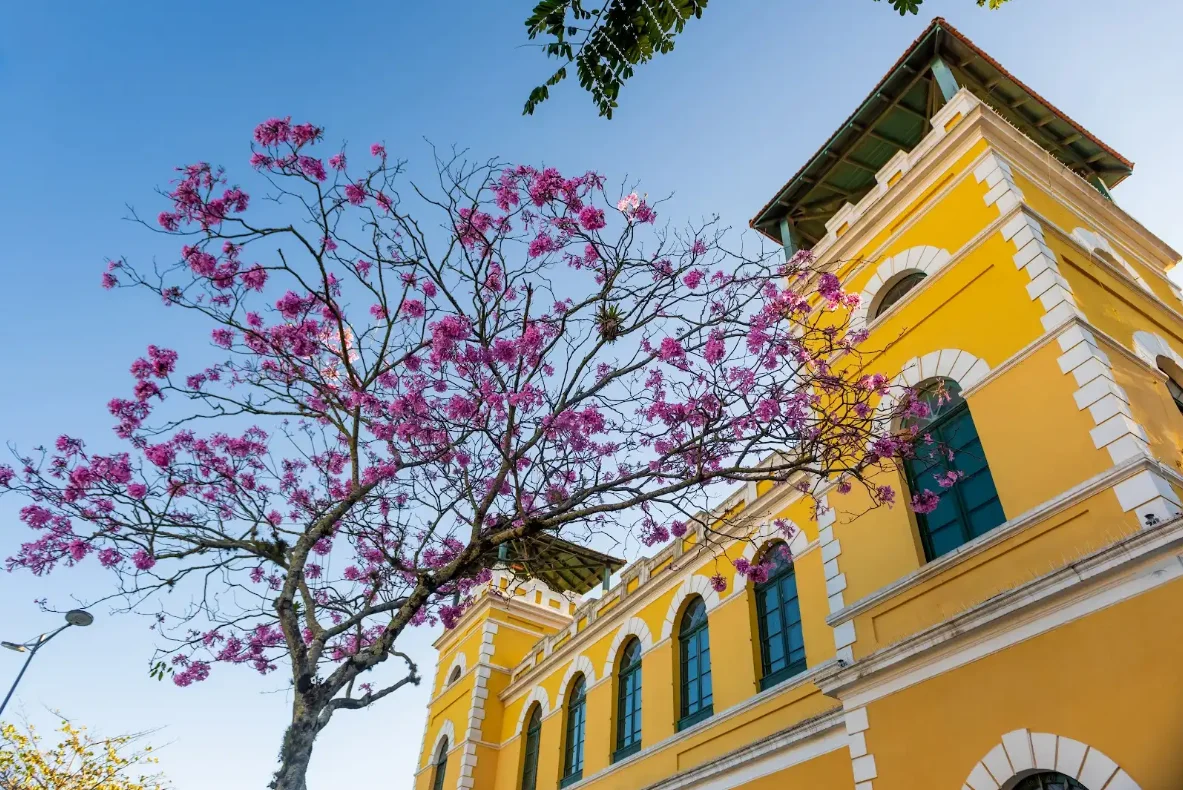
(143, 560)
(337, 161)
(109, 280)
(924, 502)
(355, 193)
(274, 131)
(196, 672)
(377, 149)
(718, 583)
(591, 218)
(137, 490)
(255, 278)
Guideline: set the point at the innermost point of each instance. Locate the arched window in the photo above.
(694, 651)
(950, 463)
(896, 291)
(530, 758)
(628, 701)
(778, 613)
(1174, 377)
(454, 675)
(576, 723)
(441, 766)
(1049, 780)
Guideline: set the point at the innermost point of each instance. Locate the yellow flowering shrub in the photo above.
(80, 761)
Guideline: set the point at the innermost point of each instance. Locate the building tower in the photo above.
(1021, 636)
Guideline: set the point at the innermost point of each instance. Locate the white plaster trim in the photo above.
(797, 744)
(1095, 242)
(580, 664)
(1121, 571)
(1149, 347)
(1110, 478)
(949, 363)
(1047, 284)
(447, 731)
(697, 584)
(1116, 430)
(963, 102)
(862, 762)
(925, 259)
(634, 626)
(1022, 752)
(537, 694)
(768, 534)
(458, 660)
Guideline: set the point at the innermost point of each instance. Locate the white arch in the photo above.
(447, 731)
(925, 259)
(634, 626)
(949, 363)
(767, 535)
(1022, 753)
(1095, 242)
(1149, 347)
(459, 660)
(696, 584)
(537, 694)
(583, 664)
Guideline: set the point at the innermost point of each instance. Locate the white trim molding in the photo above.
(459, 660)
(447, 731)
(1002, 190)
(695, 584)
(862, 762)
(792, 746)
(537, 694)
(947, 363)
(1148, 494)
(928, 260)
(476, 711)
(1096, 243)
(1022, 753)
(579, 664)
(1149, 347)
(1123, 570)
(634, 626)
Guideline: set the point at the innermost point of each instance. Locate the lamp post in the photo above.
(73, 617)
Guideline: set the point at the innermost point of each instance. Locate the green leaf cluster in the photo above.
(606, 41)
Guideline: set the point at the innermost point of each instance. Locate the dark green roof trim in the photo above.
(563, 566)
(895, 117)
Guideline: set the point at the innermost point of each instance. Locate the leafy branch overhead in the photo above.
(606, 44)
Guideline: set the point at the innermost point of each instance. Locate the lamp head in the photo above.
(14, 646)
(79, 617)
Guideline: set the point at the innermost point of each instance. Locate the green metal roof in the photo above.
(563, 566)
(896, 116)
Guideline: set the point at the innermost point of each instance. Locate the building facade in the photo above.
(1027, 633)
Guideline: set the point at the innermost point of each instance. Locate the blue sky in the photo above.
(102, 101)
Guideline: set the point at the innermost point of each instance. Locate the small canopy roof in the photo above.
(563, 566)
(895, 117)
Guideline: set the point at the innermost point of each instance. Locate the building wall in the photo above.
(1109, 681)
(1048, 339)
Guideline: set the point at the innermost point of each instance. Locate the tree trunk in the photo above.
(296, 752)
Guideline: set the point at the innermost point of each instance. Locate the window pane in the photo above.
(945, 539)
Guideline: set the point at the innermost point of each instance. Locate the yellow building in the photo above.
(1028, 633)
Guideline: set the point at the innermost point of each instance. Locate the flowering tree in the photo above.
(80, 761)
(396, 397)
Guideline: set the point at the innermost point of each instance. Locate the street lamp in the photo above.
(73, 617)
